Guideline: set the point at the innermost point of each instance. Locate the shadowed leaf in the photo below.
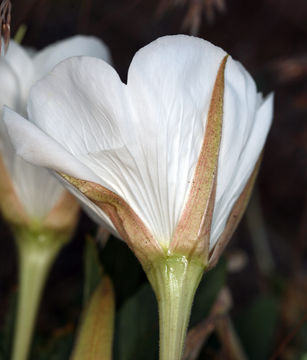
(138, 328)
(256, 326)
(93, 270)
(208, 290)
(124, 269)
(6, 332)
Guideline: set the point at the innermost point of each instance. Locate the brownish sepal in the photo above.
(192, 234)
(128, 224)
(64, 216)
(10, 206)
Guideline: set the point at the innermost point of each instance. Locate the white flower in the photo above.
(142, 140)
(35, 190)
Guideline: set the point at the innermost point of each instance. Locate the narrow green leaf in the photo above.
(124, 269)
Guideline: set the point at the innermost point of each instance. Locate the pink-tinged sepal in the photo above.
(64, 216)
(192, 234)
(10, 206)
(127, 223)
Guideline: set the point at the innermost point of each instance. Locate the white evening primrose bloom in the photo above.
(146, 145)
(28, 192)
(40, 211)
(167, 161)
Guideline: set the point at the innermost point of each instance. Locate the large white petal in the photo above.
(36, 187)
(170, 83)
(46, 59)
(143, 139)
(10, 88)
(21, 64)
(84, 114)
(27, 66)
(36, 147)
(77, 103)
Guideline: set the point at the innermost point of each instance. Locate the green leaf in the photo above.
(124, 269)
(301, 340)
(93, 270)
(256, 326)
(6, 333)
(137, 331)
(208, 289)
(57, 348)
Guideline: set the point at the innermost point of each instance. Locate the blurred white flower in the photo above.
(25, 190)
(40, 211)
(131, 151)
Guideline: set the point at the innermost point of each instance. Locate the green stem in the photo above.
(174, 280)
(37, 252)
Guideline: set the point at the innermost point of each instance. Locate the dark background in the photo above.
(270, 39)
